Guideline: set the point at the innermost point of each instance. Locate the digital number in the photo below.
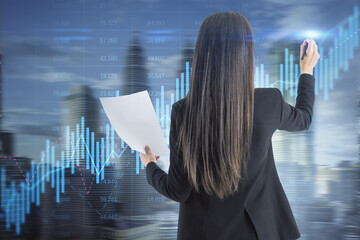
(105, 40)
(155, 75)
(109, 58)
(156, 58)
(108, 75)
(155, 40)
(155, 22)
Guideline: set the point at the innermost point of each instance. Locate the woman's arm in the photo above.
(173, 185)
(298, 118)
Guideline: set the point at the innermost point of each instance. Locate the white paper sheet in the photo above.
(134, 119)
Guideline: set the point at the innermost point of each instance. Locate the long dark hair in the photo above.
(216, 132)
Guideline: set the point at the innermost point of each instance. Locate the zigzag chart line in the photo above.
(43, 178)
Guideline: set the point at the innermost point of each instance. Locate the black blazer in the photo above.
(262, 196)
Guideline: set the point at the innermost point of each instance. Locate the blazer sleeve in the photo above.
(299, 117)
(173, 185)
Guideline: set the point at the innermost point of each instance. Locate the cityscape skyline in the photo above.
(78, 195)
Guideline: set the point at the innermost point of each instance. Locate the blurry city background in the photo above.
(64, 173)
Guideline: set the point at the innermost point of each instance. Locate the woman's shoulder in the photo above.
(265, 90)
(267, 93)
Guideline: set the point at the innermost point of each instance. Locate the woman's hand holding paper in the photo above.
(148, 157)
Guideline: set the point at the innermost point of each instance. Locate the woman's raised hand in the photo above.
(311, 58)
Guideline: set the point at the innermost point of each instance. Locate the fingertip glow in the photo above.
(312, 34)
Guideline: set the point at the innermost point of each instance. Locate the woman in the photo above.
(222, 168)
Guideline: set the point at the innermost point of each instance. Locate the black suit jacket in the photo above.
(262, 196)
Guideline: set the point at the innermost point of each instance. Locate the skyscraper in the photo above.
(6, 138)
(74, 215)
(1, 80)
(135, 78)
(81, 103)
(132, 191)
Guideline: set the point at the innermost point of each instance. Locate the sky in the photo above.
(34, 82)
